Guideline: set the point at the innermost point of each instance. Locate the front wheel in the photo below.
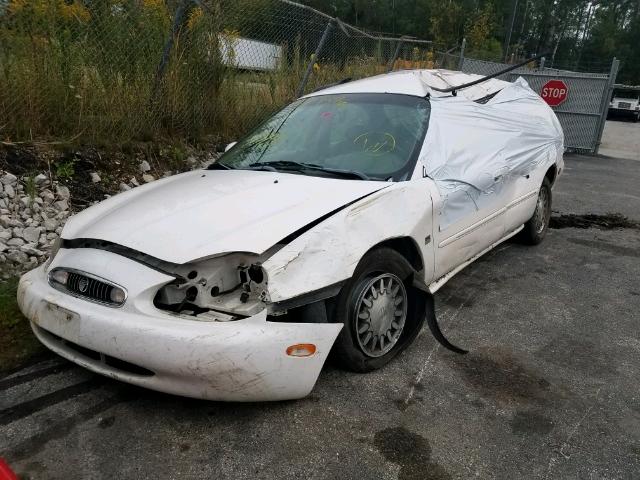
(381, 311)
(536, 228)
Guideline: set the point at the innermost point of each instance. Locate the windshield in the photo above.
(372, 136)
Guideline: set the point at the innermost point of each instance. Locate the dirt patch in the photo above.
(579, 355)
(607, 247)
(530, 422)
(72, 166)
(496, 373)
(610, 221)
(411, 452)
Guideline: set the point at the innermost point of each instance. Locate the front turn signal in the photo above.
(301, 350)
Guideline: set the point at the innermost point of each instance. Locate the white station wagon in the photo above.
(328, 227)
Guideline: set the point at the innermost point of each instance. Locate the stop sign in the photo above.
(554, 92)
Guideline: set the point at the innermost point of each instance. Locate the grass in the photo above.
(90, 71)
(17, 343)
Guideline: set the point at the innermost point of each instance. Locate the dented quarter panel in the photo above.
(329, 253)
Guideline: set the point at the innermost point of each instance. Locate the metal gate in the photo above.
(582, 115)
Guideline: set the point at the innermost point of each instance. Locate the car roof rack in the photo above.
(453, 90)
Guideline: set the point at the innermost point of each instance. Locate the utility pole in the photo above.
(512, 21)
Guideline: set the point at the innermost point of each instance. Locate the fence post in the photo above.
(461, 61)
(314, 57)
(393, 59)
(178, 20)
(606, 98)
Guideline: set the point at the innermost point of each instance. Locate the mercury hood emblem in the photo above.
(83, 283)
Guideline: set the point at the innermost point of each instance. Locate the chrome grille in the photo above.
(624, 105)
(87, 286)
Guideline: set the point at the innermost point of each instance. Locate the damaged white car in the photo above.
(328, 227)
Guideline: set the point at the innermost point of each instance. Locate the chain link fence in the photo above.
(584, 112)
(114, 71)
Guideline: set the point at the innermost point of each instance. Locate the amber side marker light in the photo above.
(301, 350)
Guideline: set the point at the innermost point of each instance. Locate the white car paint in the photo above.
(475, 183)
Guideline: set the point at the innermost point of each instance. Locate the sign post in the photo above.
(554, 92)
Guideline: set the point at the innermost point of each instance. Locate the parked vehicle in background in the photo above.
(329, 226)
(625, 104)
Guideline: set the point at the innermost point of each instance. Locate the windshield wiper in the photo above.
(297, 166)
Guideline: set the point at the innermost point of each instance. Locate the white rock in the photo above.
(191, 160)
(8, 179)
(18, 257)
(30, 249)
(148, 178)
(63, 192)
(167, 174)
(47, 196)
(5, 234)
(3, 203)
(134, 182)
(40, 179)
(31, 234)
(6, 221)
(15, 242)
(9, 191)
(95, 178)
(50, 225)
(144, 166)
(17, 232)
(62, 205)
(124, 187)
(3, 247)
(26, 201)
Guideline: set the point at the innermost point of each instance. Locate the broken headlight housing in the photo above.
(234, 284)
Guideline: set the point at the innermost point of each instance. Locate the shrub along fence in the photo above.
(119, 70)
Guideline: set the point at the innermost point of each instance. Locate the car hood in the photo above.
(209, 212)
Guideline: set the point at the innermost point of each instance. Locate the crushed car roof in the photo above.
(419, 83)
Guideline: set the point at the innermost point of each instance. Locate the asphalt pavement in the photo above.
(548, 390)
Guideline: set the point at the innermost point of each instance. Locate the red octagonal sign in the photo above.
(554, 92)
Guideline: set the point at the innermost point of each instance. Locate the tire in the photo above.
(536, 228)
(383, 271)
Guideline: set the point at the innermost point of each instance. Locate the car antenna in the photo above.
(453, 90)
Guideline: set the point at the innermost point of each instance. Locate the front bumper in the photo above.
(243, 360)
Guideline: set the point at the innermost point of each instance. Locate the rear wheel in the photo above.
(381, 311)
(536, 228)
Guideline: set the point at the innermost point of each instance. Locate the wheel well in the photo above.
(551, 174)
(406, 247)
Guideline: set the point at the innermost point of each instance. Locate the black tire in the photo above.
(536, 228)
(348, 352)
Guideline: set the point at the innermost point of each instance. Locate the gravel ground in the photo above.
(548, 390)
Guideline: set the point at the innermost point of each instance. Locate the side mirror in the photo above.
(229, 147)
